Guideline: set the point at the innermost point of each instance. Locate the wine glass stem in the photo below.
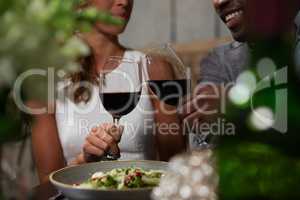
(116, 121)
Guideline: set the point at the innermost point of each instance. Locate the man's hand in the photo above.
(203, 105)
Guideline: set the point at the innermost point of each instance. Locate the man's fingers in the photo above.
(195, 105)
(197, 122)
(204, 99)
(206, 112)
(194, 117)
(186, 99)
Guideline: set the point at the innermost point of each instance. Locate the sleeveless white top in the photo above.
(75, 121)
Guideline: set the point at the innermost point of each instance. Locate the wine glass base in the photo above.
(199, 142)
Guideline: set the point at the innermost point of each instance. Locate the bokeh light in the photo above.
(240, 93)
(262, 118)
(199, 181)
(265, 67)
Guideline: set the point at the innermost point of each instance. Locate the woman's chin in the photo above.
(110, 30)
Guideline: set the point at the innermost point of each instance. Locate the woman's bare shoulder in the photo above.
(160, 68)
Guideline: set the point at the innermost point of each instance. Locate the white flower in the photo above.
(7, 73)
(75, 47)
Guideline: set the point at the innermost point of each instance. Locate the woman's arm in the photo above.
(169, 138)
(47, 150)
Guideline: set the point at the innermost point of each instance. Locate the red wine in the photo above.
(170, 91)
(119, 104)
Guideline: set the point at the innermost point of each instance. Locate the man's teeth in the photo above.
(232, 15)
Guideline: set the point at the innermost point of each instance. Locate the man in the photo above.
(242, 18)
(225, 63)
(248, 22)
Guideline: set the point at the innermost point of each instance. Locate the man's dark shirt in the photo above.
(297, 50)
(224, 63)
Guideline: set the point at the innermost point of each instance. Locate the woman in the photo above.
(57, 143)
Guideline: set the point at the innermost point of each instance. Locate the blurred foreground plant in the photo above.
(36, 37)
(39, 34)
(250, 170)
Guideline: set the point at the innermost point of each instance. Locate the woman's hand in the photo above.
(100, 140)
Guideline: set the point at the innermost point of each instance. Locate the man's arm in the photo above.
(212, 70)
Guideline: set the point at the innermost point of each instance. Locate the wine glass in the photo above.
(176, 92)
(120, 85)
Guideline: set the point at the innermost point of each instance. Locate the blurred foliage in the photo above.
(39, 34)
(11, 124)
(264, 164)
(257, 171)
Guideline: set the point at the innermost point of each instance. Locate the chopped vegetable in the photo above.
(123, 178)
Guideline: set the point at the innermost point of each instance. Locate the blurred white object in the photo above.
(192, 176)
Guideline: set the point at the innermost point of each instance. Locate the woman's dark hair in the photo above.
(87, 73)
(81, 91)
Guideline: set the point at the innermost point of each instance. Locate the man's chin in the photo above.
(239, 36)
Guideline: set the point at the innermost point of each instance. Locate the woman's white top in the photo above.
(75, 121)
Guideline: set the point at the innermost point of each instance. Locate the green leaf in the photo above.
(93, 15)
(5, 5)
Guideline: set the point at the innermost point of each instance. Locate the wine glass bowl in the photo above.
(120, 86)
(173, 91)
(177, 91)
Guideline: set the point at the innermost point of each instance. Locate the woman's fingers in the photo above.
(102, 135)
(106, 138)
(98, 143)
(112, 134)
(101, 140)
(91, 149)
(116, 132)
(95, 129)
